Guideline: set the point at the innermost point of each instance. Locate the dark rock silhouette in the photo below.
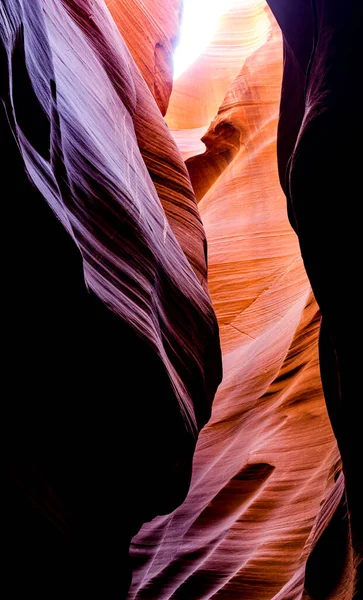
(320, 127)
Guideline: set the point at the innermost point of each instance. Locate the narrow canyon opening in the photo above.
(181, 370)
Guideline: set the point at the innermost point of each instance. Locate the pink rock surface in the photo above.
(113, 334)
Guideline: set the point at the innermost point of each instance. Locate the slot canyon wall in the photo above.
(113, 354)
(267, 488)
(114, 350)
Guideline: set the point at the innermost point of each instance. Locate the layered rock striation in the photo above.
(113, 351)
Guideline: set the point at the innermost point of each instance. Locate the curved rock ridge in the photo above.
(267, 480)
(150, 29)
(113, 334)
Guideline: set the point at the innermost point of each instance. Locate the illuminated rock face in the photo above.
(114, 353)
(150, 30)
(199, 92)
(266, 461)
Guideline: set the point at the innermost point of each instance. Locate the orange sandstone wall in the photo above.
(267, 461)
(150, 29)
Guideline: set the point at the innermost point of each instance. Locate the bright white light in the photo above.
(199, 23)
